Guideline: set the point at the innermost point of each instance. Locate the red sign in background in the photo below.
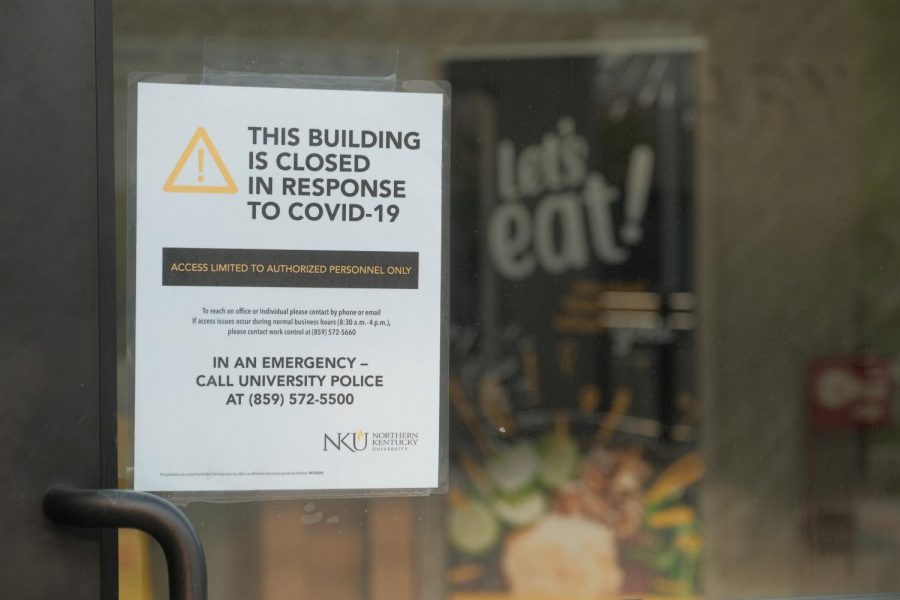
(850, 392)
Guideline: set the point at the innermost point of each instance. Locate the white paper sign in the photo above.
(287, 289)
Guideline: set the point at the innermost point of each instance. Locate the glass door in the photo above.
(673, 308)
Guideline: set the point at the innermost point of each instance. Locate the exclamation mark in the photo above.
(200, 164)
(637, 193)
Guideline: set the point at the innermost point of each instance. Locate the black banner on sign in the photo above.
(290, 268)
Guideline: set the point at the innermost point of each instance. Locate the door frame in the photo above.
(58, 292)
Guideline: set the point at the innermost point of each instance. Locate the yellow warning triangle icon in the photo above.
(192, 172)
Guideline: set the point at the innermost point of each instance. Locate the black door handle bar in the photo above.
(151, 514)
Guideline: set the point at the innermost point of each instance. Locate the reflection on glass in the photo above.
(674, 304)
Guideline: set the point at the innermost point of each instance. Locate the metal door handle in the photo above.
(151, 514)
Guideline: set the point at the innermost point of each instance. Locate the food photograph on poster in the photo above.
(572, 394)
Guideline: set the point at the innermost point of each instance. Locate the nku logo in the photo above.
(352, 442)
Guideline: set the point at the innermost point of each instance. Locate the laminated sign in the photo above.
(288, 289)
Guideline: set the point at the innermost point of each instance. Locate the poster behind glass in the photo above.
(574, 462)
